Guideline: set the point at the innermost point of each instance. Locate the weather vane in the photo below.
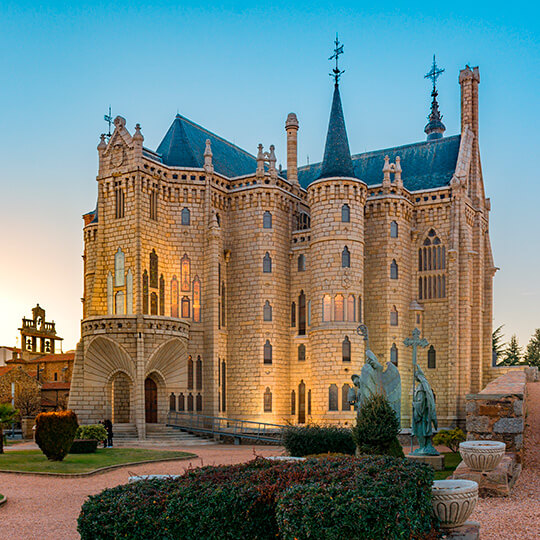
(336, 72)
(109, 119)
(434, 73)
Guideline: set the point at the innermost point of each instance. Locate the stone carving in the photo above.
(482, 455)
(424, 415)
(454, 501)
(375, 379)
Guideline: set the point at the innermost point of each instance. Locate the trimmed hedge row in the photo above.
(83, 446)
(376, 498)
(301, 441)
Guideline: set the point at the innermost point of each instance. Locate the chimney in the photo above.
(291, 127)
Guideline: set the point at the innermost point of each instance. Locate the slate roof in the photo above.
(425, 165)
(337, 155)
(184, 144)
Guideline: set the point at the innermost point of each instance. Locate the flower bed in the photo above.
(370, 498)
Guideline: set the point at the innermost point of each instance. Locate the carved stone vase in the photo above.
(482, 455)
(454, 501)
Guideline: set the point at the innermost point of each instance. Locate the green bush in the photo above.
(83, 446)
(55, 432)
(377, 428)
(92, 431)
(300, 441)
(449, 438)
(245, 501)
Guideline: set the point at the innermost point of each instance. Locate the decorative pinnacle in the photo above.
(434, 73)
(435, 128)
(336, 72)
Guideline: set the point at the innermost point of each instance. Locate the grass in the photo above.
(35, 461)
(451, 461)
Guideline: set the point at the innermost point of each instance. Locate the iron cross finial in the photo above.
(336, 72)
(109, 119)
(434, 73)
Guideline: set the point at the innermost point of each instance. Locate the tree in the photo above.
(7, 415)
(532, 354)
(512, 353)
(497, 344)
(28, 399)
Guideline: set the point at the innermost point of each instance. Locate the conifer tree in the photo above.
(532, 354)
(497, 342)
(512, 353)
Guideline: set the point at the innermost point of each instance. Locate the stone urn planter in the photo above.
(482, 455)
(454, 501)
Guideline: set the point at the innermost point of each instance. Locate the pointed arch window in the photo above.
(181, 402)
(309, 402)
(345, 213)
(161, 295)
(394, 357)
(119, 201)
(198, 402)
(267, 311)
(196, 299)
(129, 292)
(153, 269)
(172, 402)
(145, 292)
(174, 297)
(267, 220)
(393, 316)
(110, 293)
(345, 405)
(302, 314)
(153, 204)
(223, 304)
(327, 308)
(359, 308)
(351, 308)
(223, 386)
(431, 358)
(267, 353)
(301, 263)
(186, 308)
(267, 263)
(185, 273)
(153, 304)
(431, 268)
(393, 229)
(301, 352)
(338, 308)
(267, 399)
(119, 260)
(198, 373)
(345, 258)
(190, 402)
(119, 303)
(333, 398)
(393, 269)
(293, 314)
(293, 402)
(190, 373)
(186, 216)
(346, 349)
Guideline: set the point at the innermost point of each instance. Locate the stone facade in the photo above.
(240, 295)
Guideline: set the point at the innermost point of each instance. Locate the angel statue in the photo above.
(424, 415)
(375, 379)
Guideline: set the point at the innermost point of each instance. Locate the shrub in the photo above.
(241, 501)
(83, 446)
(55, 432)
(92, 431)
(302, 441)
(449, 438)
(377, 428)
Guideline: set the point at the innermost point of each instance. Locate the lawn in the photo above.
(35, 461)
(451, 461)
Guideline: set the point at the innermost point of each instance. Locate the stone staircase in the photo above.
(156, 435)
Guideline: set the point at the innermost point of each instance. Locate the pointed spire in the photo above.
(434, 128)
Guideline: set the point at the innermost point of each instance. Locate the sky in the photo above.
(238, 69)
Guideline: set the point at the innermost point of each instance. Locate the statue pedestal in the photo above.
(470, 530)
(437, 462)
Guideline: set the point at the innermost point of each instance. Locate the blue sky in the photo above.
(238, 69)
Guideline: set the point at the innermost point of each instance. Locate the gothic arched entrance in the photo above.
(150, 400)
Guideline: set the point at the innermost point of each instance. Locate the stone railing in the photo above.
(498, 412)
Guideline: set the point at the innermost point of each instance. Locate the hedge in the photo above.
(55, 432)
(300, 441)
(254, 500)
(83, 446)
(92, 431)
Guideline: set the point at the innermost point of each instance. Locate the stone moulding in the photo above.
(482, 455)
(454, 501)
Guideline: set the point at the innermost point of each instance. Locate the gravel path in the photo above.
(518, 517)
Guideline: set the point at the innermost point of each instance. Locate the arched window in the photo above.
(346, 349)
(359, 308)
(393, 269)
(198, 373)
(301, 352)
(181, 402)
(153, 204)
(309, 402)
(333, 398)
(119, 268)
(351, 308)
(338, 308)
(186, 216)
(198, 402)
(431, 358)
(345, 258)
(393, 316)
(267, 356)
(110, 293)
(267, 263)
(129, 292)
(267, 220)
(190, 373)
(145, 292)
(302, 402)
(267, 400)
(172, 402)
(161, 295)
(190, 402)
(301, 263)
(293, 314)
(153, 304)
(223, 304)
(327, 308)
(345, 405)
(119, 201)
(186, 308)
(393, 229)
(267, 311)
(394, 354)
(153, 269)
(293, 402)
(185, 273)
(119, 303)
(196, 299)
(174, 297)
(345, 213)
(302, 314)
(431, 267)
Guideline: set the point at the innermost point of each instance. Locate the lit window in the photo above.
(345, 213)
(351, 308)
(174, 297)
(327, 308)
(186, 311)
(185, 273)
(338, 308)
(196, 299)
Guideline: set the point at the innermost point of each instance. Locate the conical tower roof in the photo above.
(337, 160)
